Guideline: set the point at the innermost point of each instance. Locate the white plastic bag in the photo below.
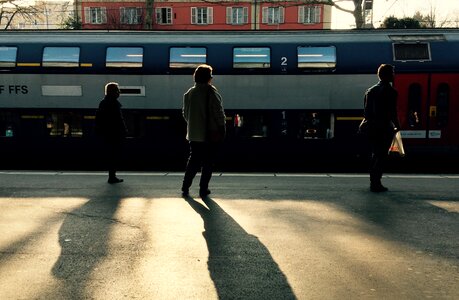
(397, 145)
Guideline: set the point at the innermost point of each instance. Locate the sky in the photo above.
(445, 9)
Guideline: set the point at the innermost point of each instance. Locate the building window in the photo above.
(317, 57)
(95, 15)
(251, 57)
(187, 57)
(8, 56)
(120, 57)
(273, 15)
(164, 15)
(309, 14)
(131, 15)
(202, 15)
(237, 15)
(61, 57)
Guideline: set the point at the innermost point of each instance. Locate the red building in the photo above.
(203, 15)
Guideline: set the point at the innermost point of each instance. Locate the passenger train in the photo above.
(291, 98)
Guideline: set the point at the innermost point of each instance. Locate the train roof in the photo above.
(224, 37)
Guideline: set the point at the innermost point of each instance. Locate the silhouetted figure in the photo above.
(381, 113)
(205, 117)
(111, 128)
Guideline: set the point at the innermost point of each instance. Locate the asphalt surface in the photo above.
(258, 236)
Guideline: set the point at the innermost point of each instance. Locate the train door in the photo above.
(443, 111)
(413, 95)
(427, 105)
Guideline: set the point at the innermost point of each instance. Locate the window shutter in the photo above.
(139, 15)
(300, 14)
(210, 15)
(317, 14)
(122, 15)
(103, 11)
(265, 15)
(229, 15)
(281, 15)
(246, 15)
(158, 15)
(87, 15)
(193, 15)
(170, 19)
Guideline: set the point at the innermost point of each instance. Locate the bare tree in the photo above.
(357, 12)
(11, 8)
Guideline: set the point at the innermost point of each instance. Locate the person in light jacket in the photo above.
(381, 112)
(205, 117)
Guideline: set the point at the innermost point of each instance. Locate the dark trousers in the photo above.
(202, 157)
(112, 155)
(380, 143)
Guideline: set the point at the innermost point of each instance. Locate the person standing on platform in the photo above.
(110, 126)
(205, 117)
(381, 112)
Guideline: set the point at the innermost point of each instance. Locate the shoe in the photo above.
(204, 193)
(185, 193)
(115, 180)
(378, 188)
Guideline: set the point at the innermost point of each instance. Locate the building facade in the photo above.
(203, 15)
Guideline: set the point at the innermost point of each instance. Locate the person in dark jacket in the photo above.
(381, 112)
(205, 117)
(111, 128)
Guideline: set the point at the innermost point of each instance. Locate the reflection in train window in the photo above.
(8, 56)
(412, 52)
(251, 57)
(124, 57)
(61, 57)
(64, 125)
(442, 105)
(317, 57)
(300, 125)
(414, 105)
(186, 57)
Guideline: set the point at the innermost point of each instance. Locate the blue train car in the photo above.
(291, 98)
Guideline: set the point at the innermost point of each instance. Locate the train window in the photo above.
(412, 52)
(8, 56)
(124, 57)
(186, 57)
(64, 125)
(61, 57)
(252, 57)
(442, 105)
(414, 105)
(317, 57)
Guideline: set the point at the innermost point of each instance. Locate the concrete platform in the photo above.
(259, 236)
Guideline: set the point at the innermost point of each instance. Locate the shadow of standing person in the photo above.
(240, 266)
(84, 238)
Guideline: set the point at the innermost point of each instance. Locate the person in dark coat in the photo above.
(381, 112)
(205, 117)
(110, 126)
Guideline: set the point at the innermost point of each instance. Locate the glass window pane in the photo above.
(61, 57)
(317, 57)
(251, 57)
(8, 56)
(187, 57)
(119, 57)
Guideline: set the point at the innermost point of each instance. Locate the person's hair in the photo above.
(202, 74)
(386, 72)
(111, 87)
